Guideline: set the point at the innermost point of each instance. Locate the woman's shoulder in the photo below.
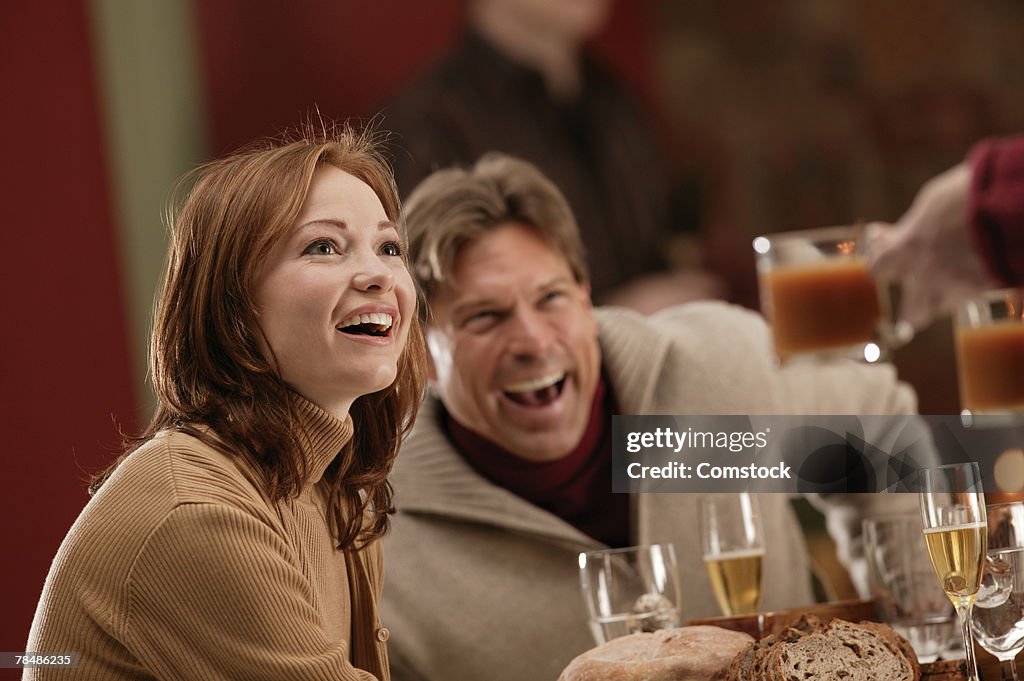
(170, 470)
(180, 468)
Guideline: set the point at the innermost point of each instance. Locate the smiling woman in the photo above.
(334, 293)
(237, 537)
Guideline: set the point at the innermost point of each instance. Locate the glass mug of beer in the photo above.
(821, 299)
(990, 354)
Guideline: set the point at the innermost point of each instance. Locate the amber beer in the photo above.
(991, 366)
(825, 305)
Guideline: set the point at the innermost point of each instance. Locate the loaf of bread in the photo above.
(811, 649)
(699, 653)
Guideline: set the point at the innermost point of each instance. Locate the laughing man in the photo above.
(506, 476)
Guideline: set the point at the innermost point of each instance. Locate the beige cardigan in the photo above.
(179, 568)
(483, 586)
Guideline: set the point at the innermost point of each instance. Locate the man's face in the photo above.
(513, 344)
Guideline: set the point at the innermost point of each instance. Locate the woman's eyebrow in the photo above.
(342, 224)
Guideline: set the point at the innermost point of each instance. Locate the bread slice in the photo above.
(890, 635)
(751, 664)
(794, 632)
(842, 651)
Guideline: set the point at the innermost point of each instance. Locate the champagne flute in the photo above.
(998, 614)
(630, 590)
(733, 544)
(953, 512)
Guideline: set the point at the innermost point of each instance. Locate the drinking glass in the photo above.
(953, 513)
(990, 354)
(998, 614)
(821, 298)
(733, 544)
(904, 589)
(630, 590)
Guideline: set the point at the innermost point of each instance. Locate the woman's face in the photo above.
(334, 298)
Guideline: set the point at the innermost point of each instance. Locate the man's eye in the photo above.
(482, 318)
(321, 247)
(551, 295)
(392, 248)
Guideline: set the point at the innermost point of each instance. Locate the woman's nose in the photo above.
(372, 274)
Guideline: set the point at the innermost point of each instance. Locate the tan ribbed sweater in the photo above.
(179, 568)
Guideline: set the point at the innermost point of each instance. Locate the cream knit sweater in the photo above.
(179, 568)
(484, 586)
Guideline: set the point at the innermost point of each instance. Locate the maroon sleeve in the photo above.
(996, 206)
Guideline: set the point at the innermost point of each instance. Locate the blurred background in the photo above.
(772, 116)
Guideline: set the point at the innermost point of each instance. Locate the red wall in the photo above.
(65, 374)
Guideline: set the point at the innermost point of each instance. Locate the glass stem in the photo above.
(964, 612)
(1007, 670)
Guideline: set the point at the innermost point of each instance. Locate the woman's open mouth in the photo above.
(377, 324)
(536, 392)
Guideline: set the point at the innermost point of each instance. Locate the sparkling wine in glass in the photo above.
(733, 544)
(998, 614)
(955, 529)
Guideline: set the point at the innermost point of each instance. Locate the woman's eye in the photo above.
(392, 248)
(322, 247)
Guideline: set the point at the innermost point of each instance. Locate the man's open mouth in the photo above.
(536, 392)
(372, 324)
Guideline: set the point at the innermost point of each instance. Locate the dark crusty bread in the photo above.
(890, 635)
(842, 650)
(839, 650)
(752, 663)
(697, 653)
(791, 634)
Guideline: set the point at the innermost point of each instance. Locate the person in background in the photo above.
(506, 476)
(963, 233)
(238, 538)
(520, 81)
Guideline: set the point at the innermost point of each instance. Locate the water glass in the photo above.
(630, 590)
(998, 614)
(904, 589)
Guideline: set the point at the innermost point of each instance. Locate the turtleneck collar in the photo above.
(576, 488)
(322, 436)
